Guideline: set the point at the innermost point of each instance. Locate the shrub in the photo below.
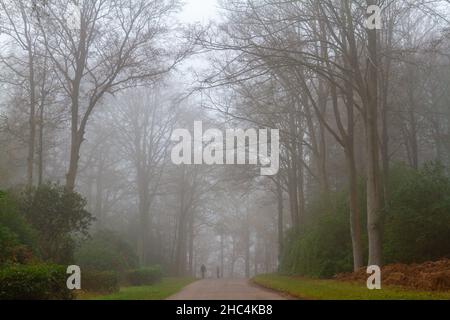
(323, 247)
(417, 227)
(8, 243)
(17, 238)
(100, 281)
(106, 251)
(34, 282)
(58, 215)
(144, 276)
(11, 250)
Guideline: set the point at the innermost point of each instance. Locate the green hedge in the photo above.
(144, 276)
(100, 281)
(34, 282)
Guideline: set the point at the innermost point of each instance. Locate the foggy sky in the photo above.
(198, 11)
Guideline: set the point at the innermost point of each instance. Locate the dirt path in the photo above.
(225, 289)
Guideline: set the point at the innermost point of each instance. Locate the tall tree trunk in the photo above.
(73, 164)
(32, 117)
(293, 168)
(233, 257)
(293, 195)
(221, 254)
(255, 256)
(143, 238)
(191, 245)
(355, 223)
(144, 218)
(348, 139)
(412, 136)
(385, 111)
(267, 256)
(180, 255)
(41, 146)
(300, 173)
(323, 172)
(247, 245)
(322, 104)
(280, 219)
(75, 143)
(373, 173)
(99, 195)
(385, 147)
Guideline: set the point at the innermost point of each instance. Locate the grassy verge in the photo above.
(315, 289)
(159, 291)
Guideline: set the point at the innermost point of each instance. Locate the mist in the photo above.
(324, 147)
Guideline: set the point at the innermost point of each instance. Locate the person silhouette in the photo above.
(218, 272)
(203, 270)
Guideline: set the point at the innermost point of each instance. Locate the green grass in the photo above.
(316, 289)
(159, 291)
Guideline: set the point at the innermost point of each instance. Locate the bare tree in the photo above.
(24, 40)
(114, 45)
(143, 122)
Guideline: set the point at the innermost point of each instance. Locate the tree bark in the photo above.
(99, 195)
(355, 223)
(180, 255)
(373, 173)
(32, 117)
(280, 219)
(191, 245)
(247, 245)
(41, 147)
(221, 254)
